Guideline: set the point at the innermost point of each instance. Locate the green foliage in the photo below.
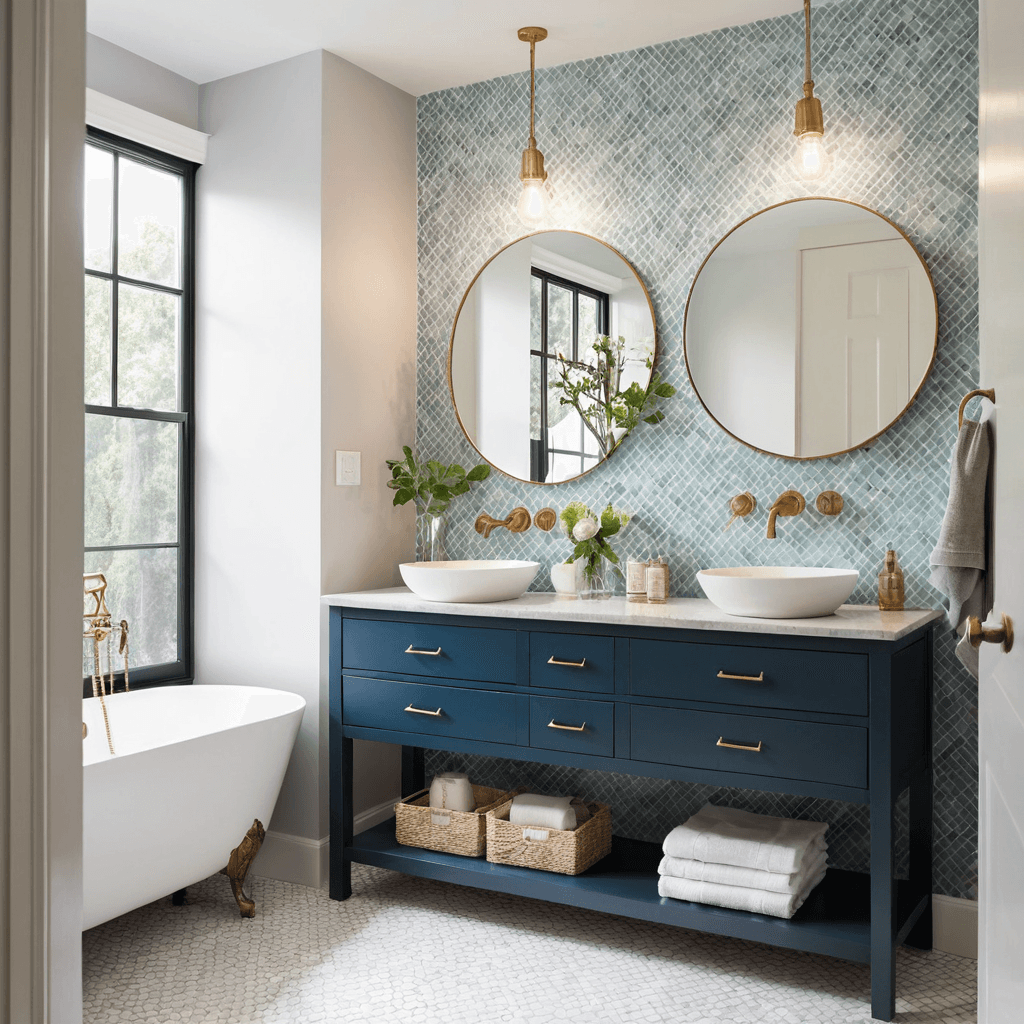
(593, 548)
(431, 484)
(593, 390)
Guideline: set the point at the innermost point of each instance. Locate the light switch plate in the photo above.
(347, 469)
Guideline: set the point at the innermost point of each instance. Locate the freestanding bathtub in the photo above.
(193, 766)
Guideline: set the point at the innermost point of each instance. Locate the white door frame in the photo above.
(42, 133)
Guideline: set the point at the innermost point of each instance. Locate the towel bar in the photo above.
(989, 393)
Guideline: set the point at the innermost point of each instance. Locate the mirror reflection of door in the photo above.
(565, 318)
(546, 296)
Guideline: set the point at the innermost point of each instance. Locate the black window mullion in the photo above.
(114, 232)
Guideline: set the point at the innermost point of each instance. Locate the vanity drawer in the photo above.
(568, 661)
(422, 649)
(429, 708)
(809, 751)
(555, 725)
(769, 677)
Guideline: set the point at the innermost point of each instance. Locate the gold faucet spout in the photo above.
(789, 503)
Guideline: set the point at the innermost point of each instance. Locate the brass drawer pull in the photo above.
(416, 650)
(568, 728)
(420, 711)
(744, 679)
(738, 746)
(570, 664)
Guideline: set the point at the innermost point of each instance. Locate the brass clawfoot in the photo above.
(239, 863)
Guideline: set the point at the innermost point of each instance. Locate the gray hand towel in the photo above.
(959, 557)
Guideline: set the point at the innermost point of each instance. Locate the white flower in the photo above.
(585, 529)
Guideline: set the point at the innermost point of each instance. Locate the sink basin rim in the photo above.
(778, 591)
(469, 581)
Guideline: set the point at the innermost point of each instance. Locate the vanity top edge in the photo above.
(852, 622)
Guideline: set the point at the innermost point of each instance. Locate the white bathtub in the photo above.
(194, 766)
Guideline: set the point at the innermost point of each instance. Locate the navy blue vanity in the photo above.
(838, 707)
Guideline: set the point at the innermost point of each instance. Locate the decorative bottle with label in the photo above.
(890, 584)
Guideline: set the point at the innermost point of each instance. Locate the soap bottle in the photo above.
(890, 584)
(657, 581)
(636, 581)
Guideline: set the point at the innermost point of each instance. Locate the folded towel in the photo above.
(959, 557)
(757, 901)
(745, 878)
(542, 811)
(725, 835)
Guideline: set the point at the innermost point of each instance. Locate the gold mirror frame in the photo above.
(924, 378)
(455, 324)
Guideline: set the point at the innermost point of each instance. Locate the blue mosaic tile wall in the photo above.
(659, 152)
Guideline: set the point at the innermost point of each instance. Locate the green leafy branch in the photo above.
(590, 534)
(431, 484)
(593, 390)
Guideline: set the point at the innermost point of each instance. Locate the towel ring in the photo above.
(989, 393)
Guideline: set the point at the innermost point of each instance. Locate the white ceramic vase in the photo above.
(563, 579)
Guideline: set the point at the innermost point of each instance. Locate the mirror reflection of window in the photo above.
(565, 318)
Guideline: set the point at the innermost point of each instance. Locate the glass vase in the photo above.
(590, 582)
(430, 531)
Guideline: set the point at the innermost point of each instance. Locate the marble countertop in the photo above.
(851, 621)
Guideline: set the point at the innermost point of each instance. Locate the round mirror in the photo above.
(810, 328)
(526, 325)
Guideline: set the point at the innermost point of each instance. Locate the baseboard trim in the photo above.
(307, 861)
(955, 926)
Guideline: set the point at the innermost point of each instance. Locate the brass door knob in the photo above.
(978, 635)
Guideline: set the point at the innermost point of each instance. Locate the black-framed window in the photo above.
(139, 396)
(565, 318)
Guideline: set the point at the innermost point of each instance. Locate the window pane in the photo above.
(99, 196)
(142, 587)
(535, 409)
(564, 467)
(559, 321)
(566, 434)
(97, 341)
(535, 289)
(588, 322)
(148, 223)
(147, 349)
(131, 481)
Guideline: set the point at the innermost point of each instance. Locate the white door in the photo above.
(1001, 690)
(863, 349)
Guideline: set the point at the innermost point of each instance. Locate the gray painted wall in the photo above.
(126, 76)
(659, 152)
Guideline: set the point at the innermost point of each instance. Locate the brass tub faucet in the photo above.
(789, 503)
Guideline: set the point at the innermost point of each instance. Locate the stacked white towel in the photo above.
(731, 858)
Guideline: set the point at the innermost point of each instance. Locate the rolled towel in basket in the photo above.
(543, 811)
(725, 835)
(746, 878)
(737, 897)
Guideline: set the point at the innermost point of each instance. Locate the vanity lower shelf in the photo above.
(835, 920)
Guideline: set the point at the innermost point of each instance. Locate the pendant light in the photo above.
(533, 201)
(811, 159)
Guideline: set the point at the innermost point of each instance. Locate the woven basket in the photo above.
(460, 832)
(549, 849)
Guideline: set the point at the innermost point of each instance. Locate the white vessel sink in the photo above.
(776, 591)
(474, 581)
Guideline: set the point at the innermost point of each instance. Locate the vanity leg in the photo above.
(412, 770)
(920, 936)
(341, 823)
(883, 906)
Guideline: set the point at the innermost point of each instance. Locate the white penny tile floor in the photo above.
(409, 951)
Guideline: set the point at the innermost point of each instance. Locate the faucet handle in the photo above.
(740, 505)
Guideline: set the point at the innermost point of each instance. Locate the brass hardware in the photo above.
(738, 746)
(533, 160)
(570, 664)
(978, 635)
(789, 503)
(99, 627)
(85, 730)
(416, 650)
(239, 863)
(517, 521)
(829, 503)
(545, 519)
(740, 505)
(989, 393)
(420, 711)
(744, 679)
(891, 593)
(568, 728)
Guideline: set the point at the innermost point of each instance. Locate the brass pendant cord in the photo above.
(807, 49)
(533, 66)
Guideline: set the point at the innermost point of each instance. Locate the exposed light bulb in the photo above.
(533, 202)
(811, 159)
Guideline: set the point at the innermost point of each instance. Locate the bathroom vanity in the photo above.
(836, 707)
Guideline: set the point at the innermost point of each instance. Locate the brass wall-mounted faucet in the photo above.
(789, 503)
